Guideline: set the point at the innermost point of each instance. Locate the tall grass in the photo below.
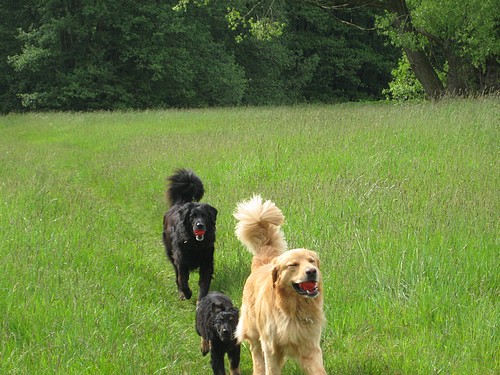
(400, 201)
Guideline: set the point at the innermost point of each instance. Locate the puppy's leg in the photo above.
(204, 346)
(234, 360)
(312, 362)
(217, 358)
(182, 283)
(206, 273)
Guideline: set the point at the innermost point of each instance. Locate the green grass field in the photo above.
(402, 203)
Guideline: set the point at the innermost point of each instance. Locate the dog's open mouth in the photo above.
(199, 235)
(308, 288)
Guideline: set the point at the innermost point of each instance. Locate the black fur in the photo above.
(216, 321)
(186, 250)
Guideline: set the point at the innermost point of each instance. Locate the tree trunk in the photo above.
(489, 81)
(418, 59)
(425, 73)
(457, 74)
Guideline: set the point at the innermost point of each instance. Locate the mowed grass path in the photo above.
(400, 201)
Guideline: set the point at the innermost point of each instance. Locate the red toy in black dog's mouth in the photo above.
(199, 234)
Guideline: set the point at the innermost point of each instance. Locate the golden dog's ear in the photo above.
(275, 274)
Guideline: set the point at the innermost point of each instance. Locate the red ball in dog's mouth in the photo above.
(199, 234)
(307, 288)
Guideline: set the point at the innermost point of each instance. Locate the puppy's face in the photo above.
(297, 271)
(225, 322)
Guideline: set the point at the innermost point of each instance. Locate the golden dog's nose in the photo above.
(311, 272)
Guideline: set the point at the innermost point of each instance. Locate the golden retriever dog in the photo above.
(282, 308)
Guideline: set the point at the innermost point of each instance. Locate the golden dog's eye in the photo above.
(312, 260)
(290, 265)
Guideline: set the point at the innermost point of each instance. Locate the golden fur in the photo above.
(277, 318)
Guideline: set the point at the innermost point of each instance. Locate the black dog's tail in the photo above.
(184, 186)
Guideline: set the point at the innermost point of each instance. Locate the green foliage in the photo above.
(460, 38)
(411, 40)
(14, 17)
(350, 64)
(470, 28)
(265, 63)
(404, 84)
(123, 55)
(91, 55)
(260, 28)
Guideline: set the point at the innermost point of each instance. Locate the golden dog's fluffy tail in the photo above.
(259, 228)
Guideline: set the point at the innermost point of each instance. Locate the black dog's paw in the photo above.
(186, 294)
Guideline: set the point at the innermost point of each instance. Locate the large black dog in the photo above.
(216, 321)
(189, 232)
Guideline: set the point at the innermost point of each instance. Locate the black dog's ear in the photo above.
(213, 213)
(217, 307)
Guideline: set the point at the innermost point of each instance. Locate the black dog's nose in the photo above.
(200, 226)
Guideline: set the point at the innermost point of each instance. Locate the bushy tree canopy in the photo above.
(90, 55)
(121, 54)
(453, 47)
(461, 39)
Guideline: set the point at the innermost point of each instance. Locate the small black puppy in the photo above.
(189, 232)
(216, 321)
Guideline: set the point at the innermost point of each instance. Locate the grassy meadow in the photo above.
(401, 201)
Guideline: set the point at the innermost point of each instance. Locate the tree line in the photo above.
(94, 54)
(91, 55)
(449, 47)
